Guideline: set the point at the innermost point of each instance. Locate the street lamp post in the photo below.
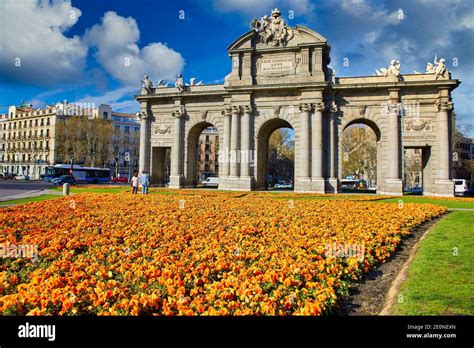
(71, 158)
(116, 159)
(34, 161)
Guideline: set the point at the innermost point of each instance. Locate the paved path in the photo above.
(12, 189)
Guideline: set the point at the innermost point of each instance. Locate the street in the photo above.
(16, 188)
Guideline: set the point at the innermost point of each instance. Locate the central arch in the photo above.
(378, 137)
(192, 151)
(263, 138)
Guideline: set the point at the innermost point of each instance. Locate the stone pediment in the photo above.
(301, 36)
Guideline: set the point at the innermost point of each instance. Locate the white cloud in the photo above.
(32, 33)
(116, 40)
(262, 7)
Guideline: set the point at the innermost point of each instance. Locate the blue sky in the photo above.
(77, 50)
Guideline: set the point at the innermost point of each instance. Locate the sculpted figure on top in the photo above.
(273, 30)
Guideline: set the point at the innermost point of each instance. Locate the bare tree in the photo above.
(70, 138)
(359, 153)
(98, 138)
(281, 155)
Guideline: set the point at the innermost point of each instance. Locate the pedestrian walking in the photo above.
(145, 182)
(135, 182)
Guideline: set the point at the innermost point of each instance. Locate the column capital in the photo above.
(227, 112)
(391, 108)
(142, 115)
(179, 112)
(247, 109)
(444, 105)
(236, 109)
(332, 107)
(319, 107)
(306, 107)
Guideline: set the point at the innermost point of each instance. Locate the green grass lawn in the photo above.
(79, 189)
(439, 281)
(29, 200)
(421, 199)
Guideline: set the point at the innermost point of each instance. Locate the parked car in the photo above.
(123, 179)
(283, 185)
(211, 182)
(461, 187)
(8, 176)
(22, 177)
(64, 179)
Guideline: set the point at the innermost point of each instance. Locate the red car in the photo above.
(120, 179)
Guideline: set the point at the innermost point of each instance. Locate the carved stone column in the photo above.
(393, 142)
(246, 143)
(303, 180)
(393, 182)
(333, 149)
(444, 185)
(225, 165)
(177, 153)
(317, 142)
(144, 160)
(317, 151)
(235, 142)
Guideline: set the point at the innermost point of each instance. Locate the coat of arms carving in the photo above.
(162, 129)
(273, 29)
(417, 124)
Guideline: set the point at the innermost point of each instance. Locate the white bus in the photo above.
(90, 175)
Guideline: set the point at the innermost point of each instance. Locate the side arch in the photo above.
(192, 151)
(374, 120)
(263, 133)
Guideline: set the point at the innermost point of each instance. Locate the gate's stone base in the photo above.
(303, 185)
(318, 185)
(443, 188)
(236, 183)
(332, 185)
(176, 181)
(392, 187)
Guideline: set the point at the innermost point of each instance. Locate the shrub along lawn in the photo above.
(441, 276)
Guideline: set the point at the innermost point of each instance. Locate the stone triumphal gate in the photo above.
(280, 78)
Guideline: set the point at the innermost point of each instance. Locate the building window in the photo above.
(105, 114)
(47, 121)
(127, 129)
(47, 145)
(47, 132)
(117, 128)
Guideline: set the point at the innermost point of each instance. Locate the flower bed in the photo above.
(195, 254)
